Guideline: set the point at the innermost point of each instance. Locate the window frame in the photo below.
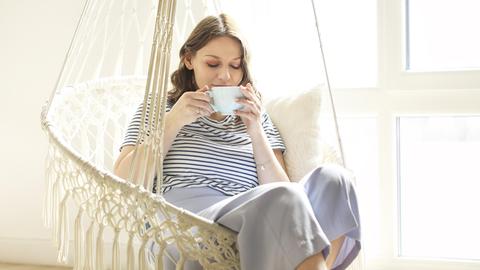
(393, 45)
(400, 92)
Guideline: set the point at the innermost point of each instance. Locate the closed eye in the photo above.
(217, 65)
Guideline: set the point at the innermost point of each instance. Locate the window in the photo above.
(349, 36)
(442, 35)
(429, 44)
(360, 141)
(284, 42)
(439, 183)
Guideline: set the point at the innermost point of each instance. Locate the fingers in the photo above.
(193, 104)
(251, 102)
(205, 88)
(199, 100)
(200, 94)
(249, 106)
(250, 93)
(199, 103)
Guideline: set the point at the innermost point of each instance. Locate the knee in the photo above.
(332, 177)
(287, 195)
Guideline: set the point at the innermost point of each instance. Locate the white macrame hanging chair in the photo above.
(85, 119)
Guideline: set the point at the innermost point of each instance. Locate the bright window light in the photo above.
(349, 35)
(443, 34)
(285, 47)
(439, 182)
(360, 140)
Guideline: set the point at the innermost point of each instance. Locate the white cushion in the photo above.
(297, 117)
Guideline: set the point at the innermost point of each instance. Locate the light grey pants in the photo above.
(281, 224)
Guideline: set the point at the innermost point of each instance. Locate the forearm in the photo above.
(269, 168)
(172, 127)
(124, 163)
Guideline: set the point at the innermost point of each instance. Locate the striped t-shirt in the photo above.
(210, 153)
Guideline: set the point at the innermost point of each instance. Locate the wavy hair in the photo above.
(211, 27)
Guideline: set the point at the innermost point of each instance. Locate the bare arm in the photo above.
(270, 163)
(189, 107)
(279, 155)
(122, 164)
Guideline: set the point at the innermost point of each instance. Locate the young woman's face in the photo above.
(218, 63)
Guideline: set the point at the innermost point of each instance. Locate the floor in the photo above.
(7, 266)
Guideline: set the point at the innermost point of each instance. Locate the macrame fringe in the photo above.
(130, 253)
(99, 250)
(55, 213)
(78, 240)
(142, 258)
(159, 258)
(181, 262)
(63, 231)
(89, 248)
(47, 201)
(116, 251)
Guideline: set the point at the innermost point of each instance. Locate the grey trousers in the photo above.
(281, 224)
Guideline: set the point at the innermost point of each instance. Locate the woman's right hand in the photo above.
(191, 105)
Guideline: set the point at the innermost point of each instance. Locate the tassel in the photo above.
(47, 201)
(142, 258)
(99, 257)
(78, 240)
(180, 262)
(55, 213)
(116, 251)
(89, 248)
(160, 258)
(130, 253)
(63, 231)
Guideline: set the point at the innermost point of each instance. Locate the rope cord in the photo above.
(67, 56)
(330, 94)
(151, 133)
(79, 169)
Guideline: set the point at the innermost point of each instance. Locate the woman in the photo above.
(230, 168)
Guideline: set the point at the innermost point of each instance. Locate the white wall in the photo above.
(34, 37)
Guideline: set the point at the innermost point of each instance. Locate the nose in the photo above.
(224, 74)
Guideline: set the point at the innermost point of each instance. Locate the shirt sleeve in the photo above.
(273, 136)
(131, 135)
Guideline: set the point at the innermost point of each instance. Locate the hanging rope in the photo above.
(147, 161)
(105, 201)
(67, 56)
(330, 94)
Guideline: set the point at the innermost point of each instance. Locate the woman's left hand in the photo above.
(251, 113)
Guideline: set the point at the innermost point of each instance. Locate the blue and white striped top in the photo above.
(210, 153)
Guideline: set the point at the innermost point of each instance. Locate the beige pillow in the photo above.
(297, 117)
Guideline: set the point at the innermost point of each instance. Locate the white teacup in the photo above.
(223, 99)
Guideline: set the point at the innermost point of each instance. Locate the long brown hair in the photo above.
(209, 28)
